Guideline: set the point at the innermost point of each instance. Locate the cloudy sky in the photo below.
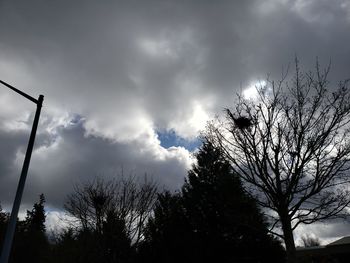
(129, 85)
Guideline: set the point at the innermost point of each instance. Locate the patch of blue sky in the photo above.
(170, 138)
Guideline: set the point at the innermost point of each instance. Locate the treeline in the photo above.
(30, 240)
(211, 219)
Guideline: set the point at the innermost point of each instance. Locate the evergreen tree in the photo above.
(65, 247)
(3, 216)
(3, 222)
(224, 217)
(211, 220)
(168, 233)
(108, 244)
(30, 240)
(115, 240)
(35, 219)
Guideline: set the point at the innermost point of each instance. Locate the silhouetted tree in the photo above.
(223, 215)
(88, 245)
(90, 203)
(212, 220)
(294, 154)
(66, 247)
(111, 217)
(30, 240)
(115, 240)
(168, 236)
(129, 200)
(4, 217)
(35, 219)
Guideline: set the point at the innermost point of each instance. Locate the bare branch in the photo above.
(291, 147)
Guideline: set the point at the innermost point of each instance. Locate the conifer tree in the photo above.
(30, 240)
(212, 219)
(224, 217)
(3, 221)
(35, 219)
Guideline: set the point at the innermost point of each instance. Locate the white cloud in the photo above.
(57, 220)
(326, 232)
(191, 122)
(160, 48)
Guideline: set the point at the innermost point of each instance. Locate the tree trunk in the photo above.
(288, 237)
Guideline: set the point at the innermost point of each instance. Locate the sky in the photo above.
(129, 85)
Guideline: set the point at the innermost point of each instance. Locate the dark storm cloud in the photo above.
(201, 50)
(10, 143)
(13, 145)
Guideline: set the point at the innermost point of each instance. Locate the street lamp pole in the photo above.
(6, 249)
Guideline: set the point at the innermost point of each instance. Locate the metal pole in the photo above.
(19, 92)
(6, 249)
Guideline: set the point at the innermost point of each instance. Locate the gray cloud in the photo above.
(71, 156)
(133, 54)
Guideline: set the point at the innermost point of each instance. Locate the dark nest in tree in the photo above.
(242, 122)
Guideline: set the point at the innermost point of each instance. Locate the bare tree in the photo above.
(129, 199)
(291, 147)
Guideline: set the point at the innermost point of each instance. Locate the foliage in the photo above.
(30, 239)
(212, 219)
(168, 236)
(4, 217)
(89, 245)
